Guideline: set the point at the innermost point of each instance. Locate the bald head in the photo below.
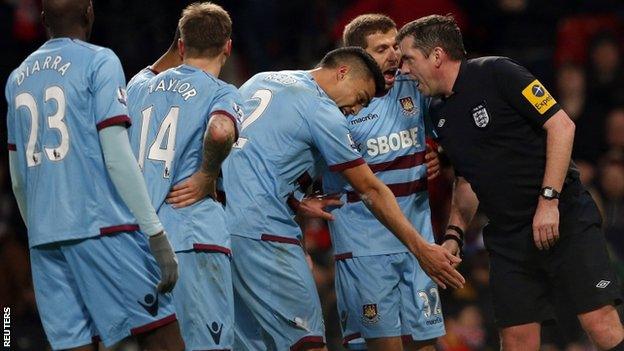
(68, 18)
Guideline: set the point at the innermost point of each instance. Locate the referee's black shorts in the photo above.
(576, 273)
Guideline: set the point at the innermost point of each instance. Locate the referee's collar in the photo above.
(461, 78)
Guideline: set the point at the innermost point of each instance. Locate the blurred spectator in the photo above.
(612, 185)
(575, 32)
(605, 67)
(571, 93)
(401, 11)
(615, 133)
(464, 332)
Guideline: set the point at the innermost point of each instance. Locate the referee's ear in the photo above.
(439, 55)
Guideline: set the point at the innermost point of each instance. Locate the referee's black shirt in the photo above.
(491, 128)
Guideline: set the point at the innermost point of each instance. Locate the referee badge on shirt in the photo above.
(370, 314)
(480, 115)
(407, 104)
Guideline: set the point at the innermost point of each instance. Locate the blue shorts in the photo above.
(204, 300)
(102, 287)
(386, 296)
(275, 283)
(247, 333)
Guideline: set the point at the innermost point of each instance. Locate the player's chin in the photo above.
(389, 83)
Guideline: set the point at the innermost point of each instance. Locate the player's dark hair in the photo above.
(435, 31)
(204, 29)
(359, 28)
(360, 61)
(61, 16)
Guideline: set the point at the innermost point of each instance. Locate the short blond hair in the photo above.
(204, 28)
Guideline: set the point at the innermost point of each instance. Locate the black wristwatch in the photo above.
(549, 193)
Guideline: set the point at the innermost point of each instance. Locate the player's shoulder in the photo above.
(141, 77)
(404, 84)
(403, 80)
(493, 63)
(288, 81)
(95, 52)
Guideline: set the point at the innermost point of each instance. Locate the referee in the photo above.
(510, 143)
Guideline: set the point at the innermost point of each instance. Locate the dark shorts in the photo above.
(576, 273)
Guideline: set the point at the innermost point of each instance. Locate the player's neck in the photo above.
(169, 59)
(322, 78)
(72, 33)
(450, 75)
(212, 65)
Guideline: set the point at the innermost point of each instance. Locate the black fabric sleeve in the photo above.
(523, 91)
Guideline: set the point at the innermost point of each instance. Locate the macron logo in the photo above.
(150, 305)
(603, 284)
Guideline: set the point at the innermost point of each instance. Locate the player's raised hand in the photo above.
(193, 189)
(546, 224)
(438, 263)
(433, 162)
(314, 206)
(166, 259)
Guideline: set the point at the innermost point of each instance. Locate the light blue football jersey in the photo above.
(58, 99)
(136, 85)
(290, 125)
(390, 135)
(139, 79)
(171, 111)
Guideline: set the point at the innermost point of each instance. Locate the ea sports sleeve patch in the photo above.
(537, 95)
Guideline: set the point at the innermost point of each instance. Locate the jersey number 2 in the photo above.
(156, 151)
(55, 121)
(264, 97)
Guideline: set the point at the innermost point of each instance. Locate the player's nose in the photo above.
(393, 55)
(404, 68)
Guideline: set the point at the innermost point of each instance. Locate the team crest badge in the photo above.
(407, 104)
(370, 314)
(480, 115)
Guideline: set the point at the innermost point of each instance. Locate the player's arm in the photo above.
(533, 101)
(464, 205)
(559, 139)
(220, 136)
(111, 118)
(435, 260)
(127, 179)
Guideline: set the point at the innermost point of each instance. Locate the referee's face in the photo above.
(418, 67)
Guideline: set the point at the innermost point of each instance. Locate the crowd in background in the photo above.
(575, 47)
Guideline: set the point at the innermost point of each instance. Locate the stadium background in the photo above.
(575, 47)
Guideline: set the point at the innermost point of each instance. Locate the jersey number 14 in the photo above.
(158, 152)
